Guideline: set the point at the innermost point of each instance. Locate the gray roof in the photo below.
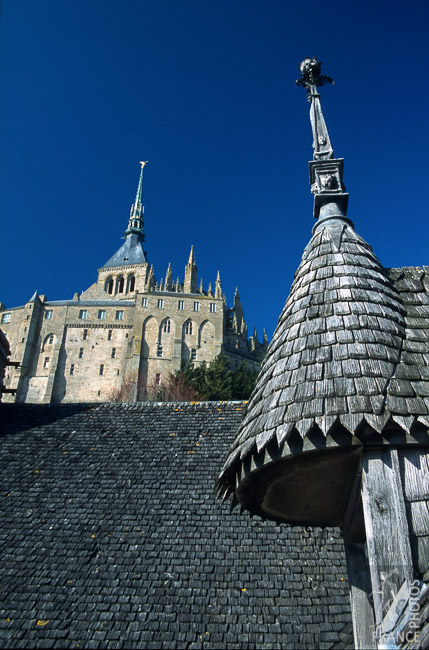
(131, 252)
(111, 538)
(351, 348)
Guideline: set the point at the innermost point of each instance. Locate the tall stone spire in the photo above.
(135, 222)
(191, 274)
(326, 172)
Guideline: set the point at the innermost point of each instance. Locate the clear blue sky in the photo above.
(204, 90)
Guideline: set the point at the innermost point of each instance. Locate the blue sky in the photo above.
(206, 92)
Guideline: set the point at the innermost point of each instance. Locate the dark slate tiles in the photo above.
(346, 319)
(111, 538)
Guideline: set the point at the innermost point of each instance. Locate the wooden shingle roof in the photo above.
(350, 352)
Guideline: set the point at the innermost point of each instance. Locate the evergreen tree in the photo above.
(243, 381)
(217, 381)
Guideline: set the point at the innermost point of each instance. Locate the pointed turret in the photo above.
(265, 339)
(191, 274)
(333, 363)
(168, 286)
(131, 252)
(218, 287)
(151, 282)
(238, 320)
(191, 260)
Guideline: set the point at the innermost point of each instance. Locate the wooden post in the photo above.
(395, 491)
(360, 589)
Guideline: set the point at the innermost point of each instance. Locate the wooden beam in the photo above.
(388, 542)
(360, 588)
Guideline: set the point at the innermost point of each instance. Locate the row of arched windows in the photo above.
(189, 328)
(120, 284)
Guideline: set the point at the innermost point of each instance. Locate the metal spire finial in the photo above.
(135, 223)
(311, 78)
(326, 172)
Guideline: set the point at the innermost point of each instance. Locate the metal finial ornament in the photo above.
(326, 172)
(311, 77)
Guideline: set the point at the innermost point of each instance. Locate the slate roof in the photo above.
(351, 350)
(131, 252)
(111, 538)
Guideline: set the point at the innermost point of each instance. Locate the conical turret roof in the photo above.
(348, 364)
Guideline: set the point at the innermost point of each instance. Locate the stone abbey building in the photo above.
(126, 329)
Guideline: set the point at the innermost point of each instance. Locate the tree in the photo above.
(243, 381)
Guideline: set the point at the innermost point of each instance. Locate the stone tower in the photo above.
(127, 331)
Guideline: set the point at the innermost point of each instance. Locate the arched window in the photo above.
(109, 285)
(167, 326)
(188, 327)
(48, 341)
(120, 284)
(131, 282)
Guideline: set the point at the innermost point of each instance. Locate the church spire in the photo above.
(326, 172)
(135, 223)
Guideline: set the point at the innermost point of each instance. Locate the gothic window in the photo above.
(188, 327)
(212, 307)
(119, 314)
(109, 285)
(48, 314)
(5, 318)
(101, 314)
(181, 305)
(196, 306)
(83, 314)
(159, 350)
(50, 339)
(167, 326)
